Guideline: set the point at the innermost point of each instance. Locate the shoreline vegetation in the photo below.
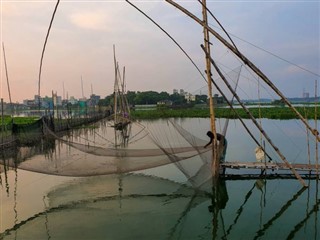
(280, 113)
(264, 112)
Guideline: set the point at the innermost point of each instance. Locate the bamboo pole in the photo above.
(2, 122)
(43, 51)
(307, 136)
(115, 93)
(115, 85)
(316, 124)
(215, 158)
(5, 65)
(257, 124)
(240, 119)
(250, 65)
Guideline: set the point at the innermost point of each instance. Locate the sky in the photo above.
(282, 38)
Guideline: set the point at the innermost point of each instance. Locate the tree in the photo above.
(149, 97)
(108, 100)
(201, 98)
(130, 97)
(177, 99)
(164, 96)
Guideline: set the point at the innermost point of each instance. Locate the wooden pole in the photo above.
(115, 93)
(316, 125)
(215, 158)
(6, 68)
(43, 51)
(2, 121)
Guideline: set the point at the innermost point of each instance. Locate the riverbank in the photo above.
(265, 112)
(156, 113)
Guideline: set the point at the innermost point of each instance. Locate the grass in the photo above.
(18, 120)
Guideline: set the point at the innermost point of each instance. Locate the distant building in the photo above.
(164, 103)
(94, 100)
(189, 97)
(47, 102)
(29, 103)
(37, 98)
(218, 100)
(59, 101)
(72, 100)
(182, 92)
(175, 91)
(64, 102)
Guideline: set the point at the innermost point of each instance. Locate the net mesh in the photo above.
(93, 151)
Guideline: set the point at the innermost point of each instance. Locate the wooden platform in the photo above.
(269, 170)
(270, 165)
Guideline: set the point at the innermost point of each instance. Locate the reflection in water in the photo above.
(14, 155)
(239, 211)
(219, 200)
(15, 199)
(316, 215)
(46, 218)
(297, 227)
(280, 213)
(145, 199)
(133, 204)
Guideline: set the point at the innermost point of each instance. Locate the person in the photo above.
(220, 138)
(211, 136)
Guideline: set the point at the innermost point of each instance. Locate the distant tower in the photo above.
(63, 90)
(82, 87)
(305, 94)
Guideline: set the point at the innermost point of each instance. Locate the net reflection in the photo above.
(120, 206)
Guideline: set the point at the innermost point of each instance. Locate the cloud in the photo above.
(94, 20)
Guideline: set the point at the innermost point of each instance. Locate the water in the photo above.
(160, 202)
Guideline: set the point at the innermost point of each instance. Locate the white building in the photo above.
(189, 97)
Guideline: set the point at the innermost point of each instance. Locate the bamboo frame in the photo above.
(257, 124)
(250, 64)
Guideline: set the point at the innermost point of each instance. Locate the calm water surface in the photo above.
(160, 202)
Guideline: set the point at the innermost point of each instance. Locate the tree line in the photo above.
(153, 97)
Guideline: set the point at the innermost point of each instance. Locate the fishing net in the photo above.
(99, 150)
